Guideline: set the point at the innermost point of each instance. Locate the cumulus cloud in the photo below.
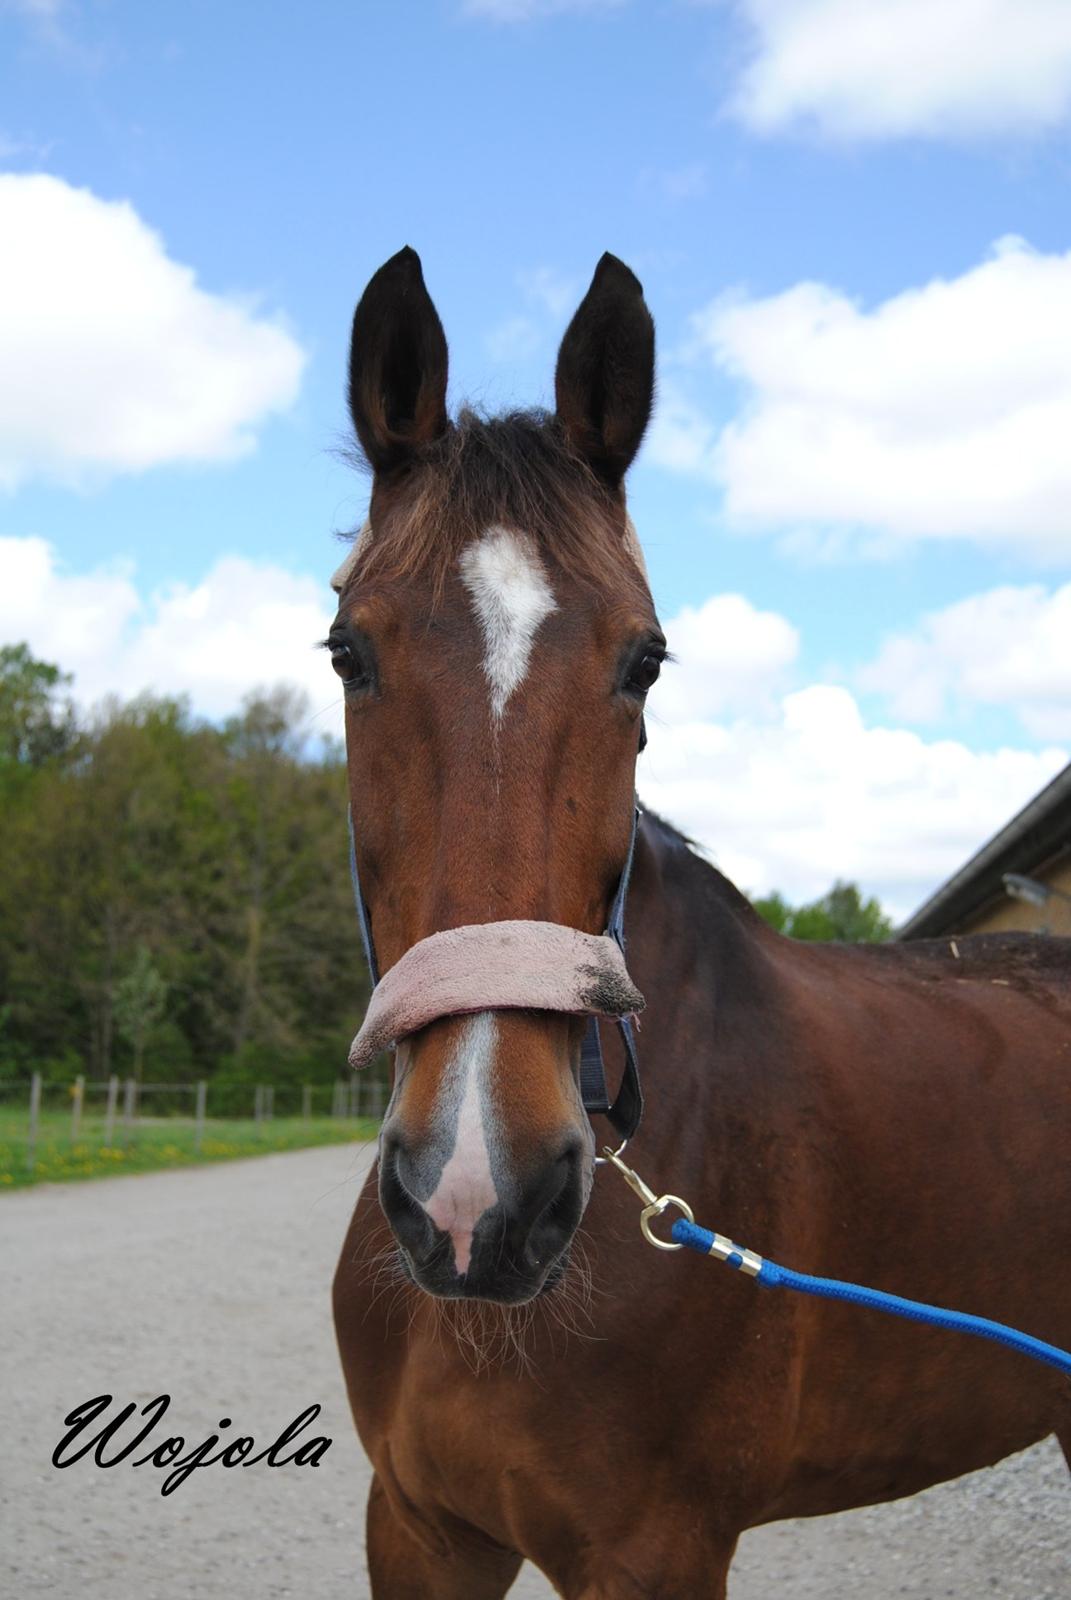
(114, 358)
(1008, 647)
(729, 657)
(788, 786)
(943, 412)
(875, 69)
(812, 793)
(243, 626)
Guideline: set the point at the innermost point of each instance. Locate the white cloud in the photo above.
(790, 787)
(113, 358)
(873, 69)
(812, 793)
(513, 339)
(551, 298)
(1009, 647)
(729, 657)
(549, 290)
(687, 182)
(244, 626)
(944, 412)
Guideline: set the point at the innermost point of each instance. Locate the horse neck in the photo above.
(708, 968)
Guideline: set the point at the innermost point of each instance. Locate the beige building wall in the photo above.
(1008, 915)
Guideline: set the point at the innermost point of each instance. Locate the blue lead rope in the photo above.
(771, 1276)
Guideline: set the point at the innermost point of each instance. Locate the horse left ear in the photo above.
(398, 366)
(604, 383)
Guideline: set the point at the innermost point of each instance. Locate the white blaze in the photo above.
(511, 596)
(466, 1187)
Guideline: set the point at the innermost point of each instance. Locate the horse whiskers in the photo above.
(490, 1334)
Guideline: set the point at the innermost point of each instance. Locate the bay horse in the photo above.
(527, 1377)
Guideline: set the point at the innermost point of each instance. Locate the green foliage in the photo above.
(174, 896)
(139, 1001)
(841, 914)
(34, 725)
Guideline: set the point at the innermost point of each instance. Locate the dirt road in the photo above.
(212, 1286)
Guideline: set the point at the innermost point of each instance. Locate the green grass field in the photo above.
(152, 1144)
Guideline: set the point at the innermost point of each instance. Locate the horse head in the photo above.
(495, 638)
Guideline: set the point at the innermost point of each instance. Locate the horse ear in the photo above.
(604, 383)
(398, 365)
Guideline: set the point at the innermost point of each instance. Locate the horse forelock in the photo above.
(513, 472)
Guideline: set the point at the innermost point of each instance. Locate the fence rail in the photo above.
(122, 1106)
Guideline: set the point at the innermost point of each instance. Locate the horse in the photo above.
(529, 1380)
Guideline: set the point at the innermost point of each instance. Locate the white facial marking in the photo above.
(511, 596)
(341, 576)
(466, 1187)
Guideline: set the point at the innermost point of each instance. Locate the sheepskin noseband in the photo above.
(539, 966)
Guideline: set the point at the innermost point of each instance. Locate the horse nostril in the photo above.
(405, 1170)
(556, 1207)
(397, 1181)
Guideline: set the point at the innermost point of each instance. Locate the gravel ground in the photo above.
(212, 1285)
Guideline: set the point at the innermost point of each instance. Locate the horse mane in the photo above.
(514, 470)
(696, 865)
(1008, 957)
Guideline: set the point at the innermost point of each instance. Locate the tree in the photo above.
(34, 726)
(840, 914)
(139, 1001)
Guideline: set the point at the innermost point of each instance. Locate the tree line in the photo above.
(175, 897)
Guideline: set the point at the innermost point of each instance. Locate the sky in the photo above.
(853, 228)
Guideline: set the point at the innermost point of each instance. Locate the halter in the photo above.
(624, 1112)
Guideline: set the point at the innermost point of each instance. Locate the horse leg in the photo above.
(403, 1566)
(651, 1569)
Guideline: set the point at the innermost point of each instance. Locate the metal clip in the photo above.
(654, 1205)
(724, 1249)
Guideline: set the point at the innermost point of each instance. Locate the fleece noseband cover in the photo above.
(539, 966)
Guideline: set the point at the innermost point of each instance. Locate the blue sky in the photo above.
(853, 236)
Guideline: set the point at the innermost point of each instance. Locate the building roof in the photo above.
(1039, 834)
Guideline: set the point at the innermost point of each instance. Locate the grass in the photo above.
(165, 1142)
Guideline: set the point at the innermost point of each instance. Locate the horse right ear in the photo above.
(398, 366)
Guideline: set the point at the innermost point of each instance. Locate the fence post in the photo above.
(35, 1109)
(109, 1111)
(269, 1101)
(129, 1091)
(76, 1107)
(199, 1130)
(378, 1112)
(306, 1101)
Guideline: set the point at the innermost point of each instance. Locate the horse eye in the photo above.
(643, 674)
(343, 663)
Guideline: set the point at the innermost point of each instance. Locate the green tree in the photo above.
(139, 1002)
(35, 724)
(840, 914)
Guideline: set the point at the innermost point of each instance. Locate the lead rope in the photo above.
(687, 1234)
